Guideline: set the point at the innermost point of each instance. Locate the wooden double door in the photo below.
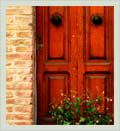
(74, 55)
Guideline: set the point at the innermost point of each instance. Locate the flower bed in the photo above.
(79, 112)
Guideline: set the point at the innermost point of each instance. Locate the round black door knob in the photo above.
(97, 19)
(56, 19)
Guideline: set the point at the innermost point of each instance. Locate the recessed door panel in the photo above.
(56, 36)
(99, 84)
(97, 45)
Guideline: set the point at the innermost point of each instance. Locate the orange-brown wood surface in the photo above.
(76, 56)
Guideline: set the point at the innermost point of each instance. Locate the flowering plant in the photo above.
(79, 112)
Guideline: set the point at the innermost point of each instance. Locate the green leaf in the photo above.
(60, 110)
(66, 123)
(93, 109)
(50, 112)
(76, 103)
(89, 103)
(82, 119)
(77, 99)
(67, 106)
(77, 110)
(90, 123)
(68, 115)
(90, 110)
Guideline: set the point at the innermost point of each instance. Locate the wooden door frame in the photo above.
(114, 75)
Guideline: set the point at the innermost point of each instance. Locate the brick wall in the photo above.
(20, 65)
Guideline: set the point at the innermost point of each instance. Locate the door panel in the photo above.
(56, 40)
(75, 58)
(97, 37)
(99, 85)
(57, 45)
(55, 89)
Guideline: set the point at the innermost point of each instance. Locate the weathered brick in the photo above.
(24, 34)
(23, 93)
(24, 123)
(20, 27)
(10, 122)
(20, 42)
(14, 11)
(9, 78)
(20, 70)
(24, 64)
(10, 116)
(10, 19)
(20, 78)
(9, 109)
(19, 64)
(23, 101)
(27, 56)
(24, 49)
(23, 116)
(28, 78)
(24, 108)
(9, 63)
(9, 94)
(10, 48)
(23, 19)
(20, 86)
(19, 7)
(10, 101)
(10, 34)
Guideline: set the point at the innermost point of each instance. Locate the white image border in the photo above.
(3, 126)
